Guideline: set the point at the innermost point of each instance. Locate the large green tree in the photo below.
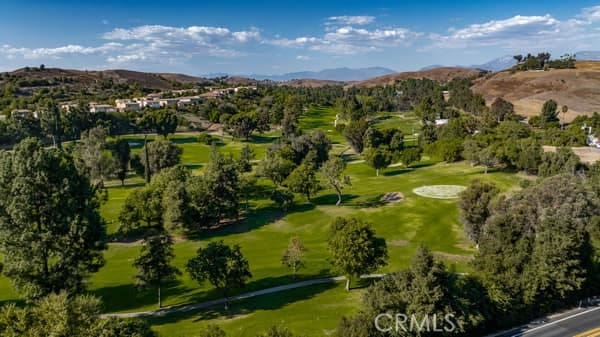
(355, 249)
(303, 180)
(162, 153)
(51, 234)
(223, 266)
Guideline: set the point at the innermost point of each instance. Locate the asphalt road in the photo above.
(574, 323)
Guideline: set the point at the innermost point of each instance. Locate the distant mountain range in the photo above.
(496, 64)
(336, 74)
(588, 55)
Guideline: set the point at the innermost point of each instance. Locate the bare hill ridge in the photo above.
(578, 88)
(441, 74)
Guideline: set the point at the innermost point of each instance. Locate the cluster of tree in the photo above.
(63, 316)
(293, 165)
(535, 255)
(181, 202)
(542, 61)
(51, 240)
(427, 293)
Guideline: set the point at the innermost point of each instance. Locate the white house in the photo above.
(22, 113)
(96, 108)
(168, 102)
(440, 122)
(124, 105)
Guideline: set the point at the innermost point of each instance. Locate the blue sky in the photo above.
(273, 37)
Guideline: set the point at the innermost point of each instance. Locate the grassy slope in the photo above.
(266, 231)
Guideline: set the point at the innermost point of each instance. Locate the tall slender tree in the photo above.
(154, 263)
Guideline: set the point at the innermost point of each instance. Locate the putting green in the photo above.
(439, 191)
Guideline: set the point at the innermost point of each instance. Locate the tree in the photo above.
(154, 263)
(163, 121)
(283, 198)
(51, 234)
(51, 122)
(161, 153)
(243, 124)
(245, 160)
(333, 171)
(549, 113)
(501, 109)
(293, 256)
(354, 248)
(122, 153)
(63, 316)
(303, 180)
(93, 156)
(410, 155)
(378, 158)
(223, 266)
(563, 161)
(564, 109)
(276, 168)
(474, 205)
(354, 133)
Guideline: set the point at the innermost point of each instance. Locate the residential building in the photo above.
(97, 108)
(124, 105)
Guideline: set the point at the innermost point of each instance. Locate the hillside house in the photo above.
(124, 105)
(23, 113)
(98, 108)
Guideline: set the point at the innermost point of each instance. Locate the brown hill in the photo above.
(442, 74)
(578, 88)
(75, 78)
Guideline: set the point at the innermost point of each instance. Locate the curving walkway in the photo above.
(208, 304)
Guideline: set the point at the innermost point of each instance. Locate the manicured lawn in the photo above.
(265, 232)
(312, 311)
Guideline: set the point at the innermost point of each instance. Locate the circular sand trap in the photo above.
(439, 191)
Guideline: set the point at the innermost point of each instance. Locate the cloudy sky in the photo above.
(273, 37)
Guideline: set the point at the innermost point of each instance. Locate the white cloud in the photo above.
(590, 14)
(523, 32)
(303, 58)
(348, 40)
(57, 52)
(350, 20)
(157, 42)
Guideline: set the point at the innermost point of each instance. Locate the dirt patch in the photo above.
(453, 257)
(392, 197)
(398, 243)
(586, 154)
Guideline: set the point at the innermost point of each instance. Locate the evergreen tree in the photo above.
(51, 234)
(154, 263)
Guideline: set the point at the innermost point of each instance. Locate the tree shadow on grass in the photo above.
(184, 140)
(256, 218)
(262, 139)
(331, 199)
(193, 166)
(266, 302)
(127, 297)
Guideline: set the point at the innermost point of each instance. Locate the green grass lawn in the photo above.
(265, 232)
